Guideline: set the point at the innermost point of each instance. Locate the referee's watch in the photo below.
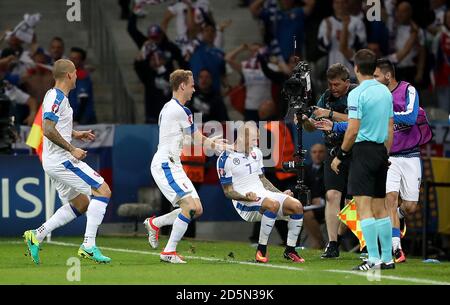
(330, 115)
(342, 155)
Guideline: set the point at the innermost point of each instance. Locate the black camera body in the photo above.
(298, 89)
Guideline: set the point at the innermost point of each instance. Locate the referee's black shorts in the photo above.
(333, 181)
(368, 170)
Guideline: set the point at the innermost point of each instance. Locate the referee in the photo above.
(370, 133)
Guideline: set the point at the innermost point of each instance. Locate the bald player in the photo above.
(241, 173)
(80, 188)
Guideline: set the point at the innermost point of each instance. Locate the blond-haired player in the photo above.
(176, 122)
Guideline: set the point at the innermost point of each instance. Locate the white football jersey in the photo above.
(56, 108)
(357, 39)
(241, 170)
(175, 121)
(401, 37)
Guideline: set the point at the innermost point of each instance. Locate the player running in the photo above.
(175, 121)
(78, 185)
(241, 173)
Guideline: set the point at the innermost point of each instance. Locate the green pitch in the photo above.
(133, 262)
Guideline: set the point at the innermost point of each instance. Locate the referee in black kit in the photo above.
(370, 133)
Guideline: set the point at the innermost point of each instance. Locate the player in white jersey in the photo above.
(80, 188)
(176, 122)
(241, 174)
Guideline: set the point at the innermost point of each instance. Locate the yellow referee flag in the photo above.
(35, 138)
(350, 218)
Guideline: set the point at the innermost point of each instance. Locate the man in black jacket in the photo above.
(207, 101)
(154, 75)
(156, 39)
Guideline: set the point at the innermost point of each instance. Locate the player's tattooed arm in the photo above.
(268, 185)
(53, 135)
(230, 193)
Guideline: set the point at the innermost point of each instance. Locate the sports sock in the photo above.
(263, 249)
(369, 229)
(396, 244)
(62, 216)
(95, 213)
(384, 230)
(166, 219)
(400, 213)
(267, 223)
(295, 224)
(179, 227)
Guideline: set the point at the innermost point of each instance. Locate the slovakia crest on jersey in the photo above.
(253, 155)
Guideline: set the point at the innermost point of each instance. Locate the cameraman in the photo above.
(333, 105)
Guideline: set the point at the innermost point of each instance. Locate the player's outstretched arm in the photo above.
(215, 143)
(53, 135)
(230, 193)
(86, 136)
(268, 185)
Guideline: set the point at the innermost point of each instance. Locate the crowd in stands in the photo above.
(415, 35)
(26, 73)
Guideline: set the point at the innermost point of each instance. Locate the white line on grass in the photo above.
(388, 277)
(395, 278)
(209, 259)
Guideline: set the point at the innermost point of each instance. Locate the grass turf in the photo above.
(223, 263)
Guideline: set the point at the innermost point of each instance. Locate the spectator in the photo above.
(281, 25)
(189, 18)
(39, 79)
(56, 50)
(8, 59)
(377, 32)
(355, 8)
(312, 51)
(17, 67)
(314, 180)
(125, 9)
(154, 75)
(441, 52)
(156, 39)
(81, 98)
(207, 101)
(439, 8)
(278, 74)
(411, 68)
(341, 35)
(24, 105)
(390, 11)
(207, 56)
(257, 85)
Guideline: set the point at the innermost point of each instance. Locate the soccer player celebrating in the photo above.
(254, 197)
(175, 121)
(405, 172)
(77, 184)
